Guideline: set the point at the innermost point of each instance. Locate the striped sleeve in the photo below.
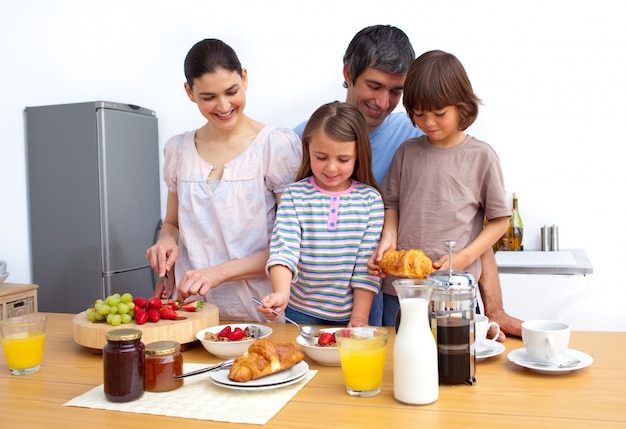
(286, 236)
(360, 277)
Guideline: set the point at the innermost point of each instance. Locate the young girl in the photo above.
(441, 186)
(327, 226)
(224, 181)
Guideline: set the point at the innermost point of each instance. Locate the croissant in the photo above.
(407, 263)
(264, 358)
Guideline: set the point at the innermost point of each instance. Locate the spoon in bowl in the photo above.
(308, 333)
(253, 331)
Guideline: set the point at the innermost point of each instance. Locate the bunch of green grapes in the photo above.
(115, 309)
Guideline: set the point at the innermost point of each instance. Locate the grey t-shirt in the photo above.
(443, 194)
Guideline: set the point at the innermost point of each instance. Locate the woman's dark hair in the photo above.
(344, 123)
(437, 79)
(381, 47)
(207, 56)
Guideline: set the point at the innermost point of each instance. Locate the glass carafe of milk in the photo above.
(415, 373)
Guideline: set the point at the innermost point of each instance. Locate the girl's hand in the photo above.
(356, 322)
(277, 301)
(373, 267)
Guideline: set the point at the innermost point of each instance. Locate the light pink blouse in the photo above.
(234, 219)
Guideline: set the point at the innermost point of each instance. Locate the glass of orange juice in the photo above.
(22, 340)
(362, 352)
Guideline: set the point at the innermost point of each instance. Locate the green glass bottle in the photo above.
(514, 234)
(516, 227)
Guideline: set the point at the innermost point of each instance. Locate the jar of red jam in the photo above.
(164, 361)
(124, 365)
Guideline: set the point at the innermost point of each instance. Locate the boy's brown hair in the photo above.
(437, 79)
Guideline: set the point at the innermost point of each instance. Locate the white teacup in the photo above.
(546, 341)
(481, 329)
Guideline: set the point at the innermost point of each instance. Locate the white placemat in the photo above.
(200, 399)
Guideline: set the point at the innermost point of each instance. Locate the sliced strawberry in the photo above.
(224, 332)
(192, 306)
(154, 315)
(168, 313)
(326, 338)
(174, 305)
(236, 335)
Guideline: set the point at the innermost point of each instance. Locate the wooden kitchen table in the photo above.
(505, 395)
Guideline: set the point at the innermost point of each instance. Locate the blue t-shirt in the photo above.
(385, 139)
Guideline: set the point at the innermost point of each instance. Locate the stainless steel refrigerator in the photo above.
(94, 201)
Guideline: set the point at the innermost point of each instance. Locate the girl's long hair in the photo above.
(344, 123)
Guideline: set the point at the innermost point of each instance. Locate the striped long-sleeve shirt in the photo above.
(325, 239)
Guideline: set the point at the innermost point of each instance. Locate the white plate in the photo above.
(489, 348)
(271, 381)
(259, 388)
(520, 354)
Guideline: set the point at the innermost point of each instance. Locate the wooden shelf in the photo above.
(17, 299)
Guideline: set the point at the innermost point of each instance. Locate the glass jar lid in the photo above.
(162, 348)
(123, 334)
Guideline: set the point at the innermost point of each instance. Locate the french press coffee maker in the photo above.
(452, 309)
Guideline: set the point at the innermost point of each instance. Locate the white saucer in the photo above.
(274, 381)
(521, 355)
(489, 348)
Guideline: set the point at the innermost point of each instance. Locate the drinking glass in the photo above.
(362, 352)
(23, 340)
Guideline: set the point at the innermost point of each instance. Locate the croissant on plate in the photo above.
(411, 263)
(264, 358)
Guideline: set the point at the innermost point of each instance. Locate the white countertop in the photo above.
(567, 261)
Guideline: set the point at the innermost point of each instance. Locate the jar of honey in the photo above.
(124, 365)
(164, 361)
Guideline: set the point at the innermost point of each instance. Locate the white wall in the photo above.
(551, 74)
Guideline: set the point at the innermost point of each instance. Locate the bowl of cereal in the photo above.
(325, 351)
(232, 340)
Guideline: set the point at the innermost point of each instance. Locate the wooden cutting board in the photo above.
(93, 335)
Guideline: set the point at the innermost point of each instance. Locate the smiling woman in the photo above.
(219, 178)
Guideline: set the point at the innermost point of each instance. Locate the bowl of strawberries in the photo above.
(325, 351)
(232, 340)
